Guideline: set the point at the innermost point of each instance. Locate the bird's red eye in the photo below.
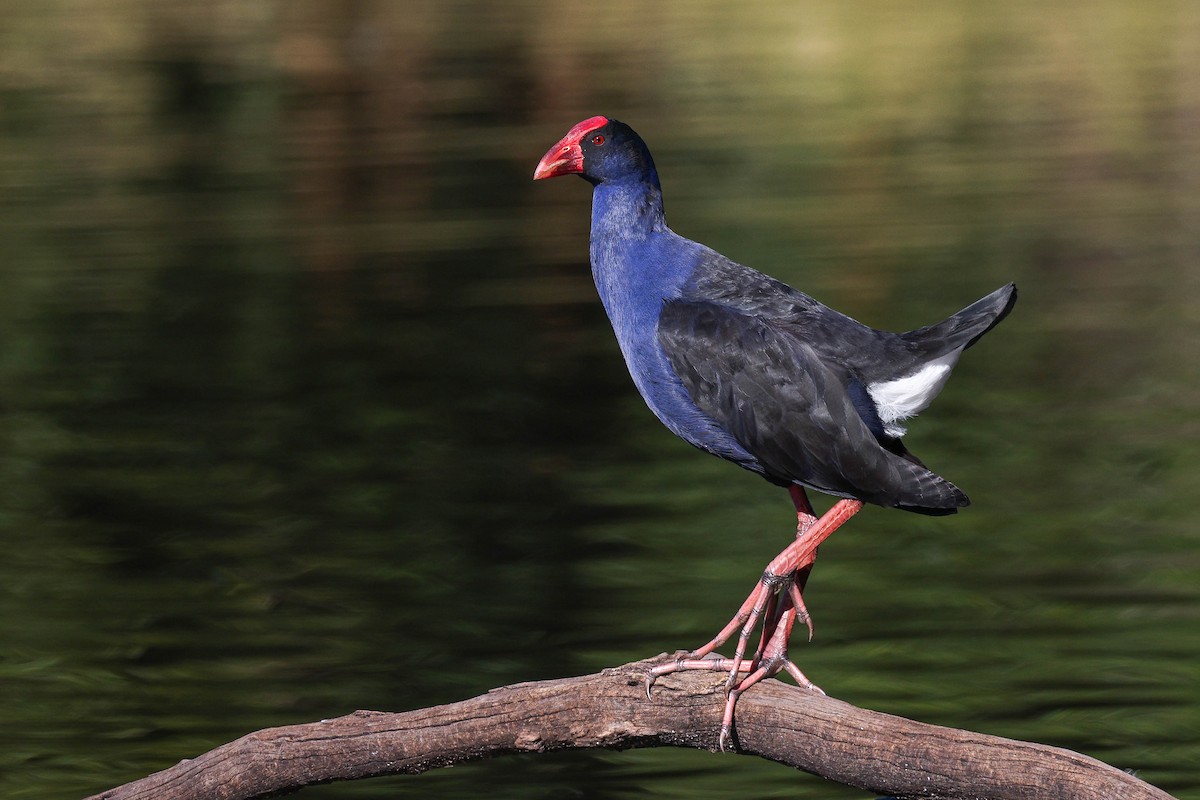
(598, 139)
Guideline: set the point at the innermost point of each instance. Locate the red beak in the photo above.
(566, 157)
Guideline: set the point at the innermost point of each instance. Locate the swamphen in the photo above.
(758, 373)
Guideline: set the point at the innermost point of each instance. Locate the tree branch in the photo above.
(827, 737)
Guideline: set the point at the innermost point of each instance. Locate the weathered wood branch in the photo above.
(873, 751)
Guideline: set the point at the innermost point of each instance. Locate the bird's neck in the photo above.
(628, 208)
(637, 261)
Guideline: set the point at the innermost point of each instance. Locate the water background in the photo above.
(307, 403)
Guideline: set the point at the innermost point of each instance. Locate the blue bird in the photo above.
(747, 368)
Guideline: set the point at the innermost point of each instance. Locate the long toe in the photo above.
(711, 663)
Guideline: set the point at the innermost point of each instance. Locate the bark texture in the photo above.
(877, 752)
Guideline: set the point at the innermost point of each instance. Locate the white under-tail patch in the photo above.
(906, 397)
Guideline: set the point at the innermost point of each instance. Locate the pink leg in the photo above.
(777, 601)
(799, 554)
(805, 519)
(800, 500)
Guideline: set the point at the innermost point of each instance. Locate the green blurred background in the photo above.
(307, 404)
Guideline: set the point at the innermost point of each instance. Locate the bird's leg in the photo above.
(780, 575)
(784, 576)
(794, 564)
(800, 553)
(800, 501)
(805, 519)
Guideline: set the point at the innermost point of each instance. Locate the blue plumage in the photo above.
(639, 265)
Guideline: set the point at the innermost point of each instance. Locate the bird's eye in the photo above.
(598, 139)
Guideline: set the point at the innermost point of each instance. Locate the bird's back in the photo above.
(873, 355)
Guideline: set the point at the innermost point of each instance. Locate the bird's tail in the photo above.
(960, 331)
(926, 492)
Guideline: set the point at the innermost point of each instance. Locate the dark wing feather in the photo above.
(774, 395)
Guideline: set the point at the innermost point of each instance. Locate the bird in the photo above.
(747, 368)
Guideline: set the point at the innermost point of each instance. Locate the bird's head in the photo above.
(598, 149)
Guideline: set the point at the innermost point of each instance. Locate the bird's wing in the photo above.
(831, 334)
(773, 394)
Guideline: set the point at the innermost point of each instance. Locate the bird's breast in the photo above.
(637, 272)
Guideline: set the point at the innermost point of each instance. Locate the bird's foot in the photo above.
(776, 602)
(770, 659)
(769, 662)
